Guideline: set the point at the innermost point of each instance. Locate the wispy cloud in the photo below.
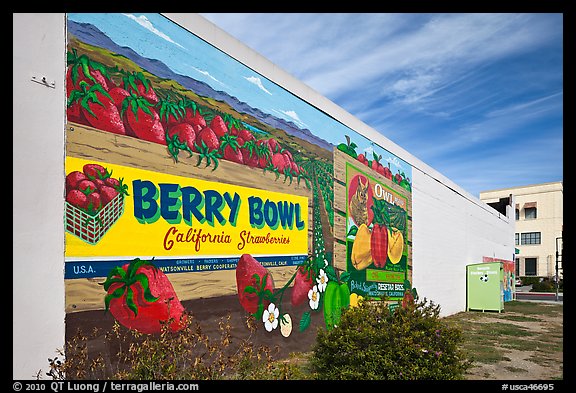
(449, 88)
(143, 21)
(293, 116)
(258, 82)
(206, 73)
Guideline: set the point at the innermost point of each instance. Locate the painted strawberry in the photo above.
(294, 168)
(246, 135)
(218, 126)
(398, 178)
(170, 112)
(279, 162)
(95, 171)
(264, 153)
(254, 283)
(209, 138)
(141, 297)
(94, 202)
(249, 151)
(181, 136)
(303, 282)
(87, 186)
(97, 108)
(230, 149)
(142, 121)
(107, 194)
(82, 68)
(118, 95)
(136, 83)
(73, 178)
(74, 113)
(194, 117)
(99, 183)
(274, 145)
(77, 198)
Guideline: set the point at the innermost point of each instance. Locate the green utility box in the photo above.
(484, 290)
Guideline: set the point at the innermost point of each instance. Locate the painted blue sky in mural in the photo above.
(156, 37)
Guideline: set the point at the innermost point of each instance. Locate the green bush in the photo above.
(372, 342)
(545, 285)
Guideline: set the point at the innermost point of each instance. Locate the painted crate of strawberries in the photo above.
(94, 202)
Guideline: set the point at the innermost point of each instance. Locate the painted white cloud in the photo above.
(145, 22)
(293, 116)
(255, 80)
(206, 73)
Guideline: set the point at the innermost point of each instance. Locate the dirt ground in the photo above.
(528, 345)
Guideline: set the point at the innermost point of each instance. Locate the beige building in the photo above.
(538, 229)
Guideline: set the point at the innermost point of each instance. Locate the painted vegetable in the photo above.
(141, 298)
(336, 298)
(379, 244)
(395, 245)
(361, 249)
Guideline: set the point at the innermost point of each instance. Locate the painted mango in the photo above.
(395, 245)
(361, 249)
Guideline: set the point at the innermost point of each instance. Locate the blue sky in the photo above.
(477, 96)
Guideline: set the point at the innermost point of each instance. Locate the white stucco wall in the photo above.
(451, 228)
(38, 192)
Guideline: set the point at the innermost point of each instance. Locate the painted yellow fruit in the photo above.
(395, 245)
(355, 299)
(361, 251)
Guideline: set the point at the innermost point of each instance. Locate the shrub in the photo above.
(372, 342)
(189, 354)
(546, 285)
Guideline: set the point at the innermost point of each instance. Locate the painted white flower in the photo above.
(322, 280)
(314, 297)
(270, 317)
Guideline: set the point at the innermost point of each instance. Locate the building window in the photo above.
(530, 238)
(530, 213)
(517, 238)
(530, 266)
(517, 268)
(517, 214)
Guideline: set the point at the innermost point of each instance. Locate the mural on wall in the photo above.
(190, 176)
(508, 284)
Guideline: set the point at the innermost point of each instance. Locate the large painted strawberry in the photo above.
(231, 149)
(218, 126)
(207, 137)
(138, 84)
(141, 119)
(181, 136)
(82, 68)
(140, 297)
(303, 282)
(97, 108)
(254, 283)
(249, 151)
